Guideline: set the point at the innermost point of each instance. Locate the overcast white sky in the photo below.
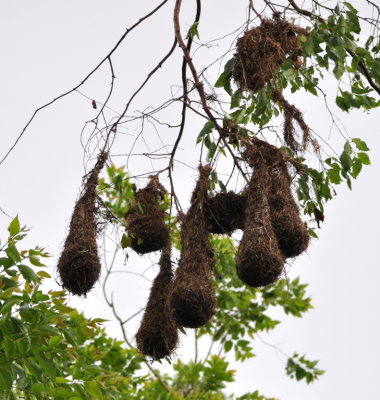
(48, 46)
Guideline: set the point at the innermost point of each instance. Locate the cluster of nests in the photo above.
(265, 211)
(272, 231)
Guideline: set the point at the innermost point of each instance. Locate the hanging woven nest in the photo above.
(193, 297)
(261, 50)
(145, 224)
(79, 265)
(157, 336)
(291, 232)
(259, 260)
(225, 212)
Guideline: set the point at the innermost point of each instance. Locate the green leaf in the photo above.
(228, 346)
(346, 161)
(193, 31)
(13, 253)
(360, 144)
(36, 261)
(126, 241)
(364, 158)
(6, 377)
(93, 390)
(28, 274)
(206, 130)
(356, 167)
(14, 227)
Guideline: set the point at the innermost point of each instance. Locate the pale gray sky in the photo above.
(48, 46)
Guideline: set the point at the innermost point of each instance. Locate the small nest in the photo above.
(261, 50)
(225, 212)
(292, 235)
(79, 265)
(148, 231)
(193, 297)
(157, 336)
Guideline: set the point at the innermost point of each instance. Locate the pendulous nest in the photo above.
(157, 336)
(291, 232)
(79, 265)
(225, 212)
(148, 231)
(193, 296)
(259, 260)
(261, 50)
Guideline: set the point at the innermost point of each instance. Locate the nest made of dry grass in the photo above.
(157, 336)
(79, 265)
(259, 260)
(193, 297)
(291, 232)
(261, 50)
(148, 231)
(225, 212)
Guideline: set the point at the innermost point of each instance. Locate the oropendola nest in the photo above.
(259, 260)
(148, 231)
(157, 336)
(79, 265)
(261, 50)
(290, 230)
(225, 212)
(193, 297)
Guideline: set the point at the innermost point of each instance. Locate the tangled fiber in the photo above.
(79, 265)
(225, 212)
(259, 260)
(193, 297)
(261, 50)
(157, 336)
(291, 114)
(148, 231)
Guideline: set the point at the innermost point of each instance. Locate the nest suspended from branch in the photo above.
(261, 50)
(292, 235)
(259, 260)
(79, 265)
(157, 336)
(291, 232)
(225, 212)
(148, 231)
(193, 297)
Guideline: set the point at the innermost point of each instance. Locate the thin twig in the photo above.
(128, 30)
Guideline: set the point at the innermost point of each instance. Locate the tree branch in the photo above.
(107, 57)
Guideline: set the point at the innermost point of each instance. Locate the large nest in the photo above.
(148, 231)
(193, 297)
(261, 50)
(290, 230)
(225, 212)
(292, 235)
(157, 336)
(79, 265)
(259, 260)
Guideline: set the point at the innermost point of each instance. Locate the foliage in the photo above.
(49, 350)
